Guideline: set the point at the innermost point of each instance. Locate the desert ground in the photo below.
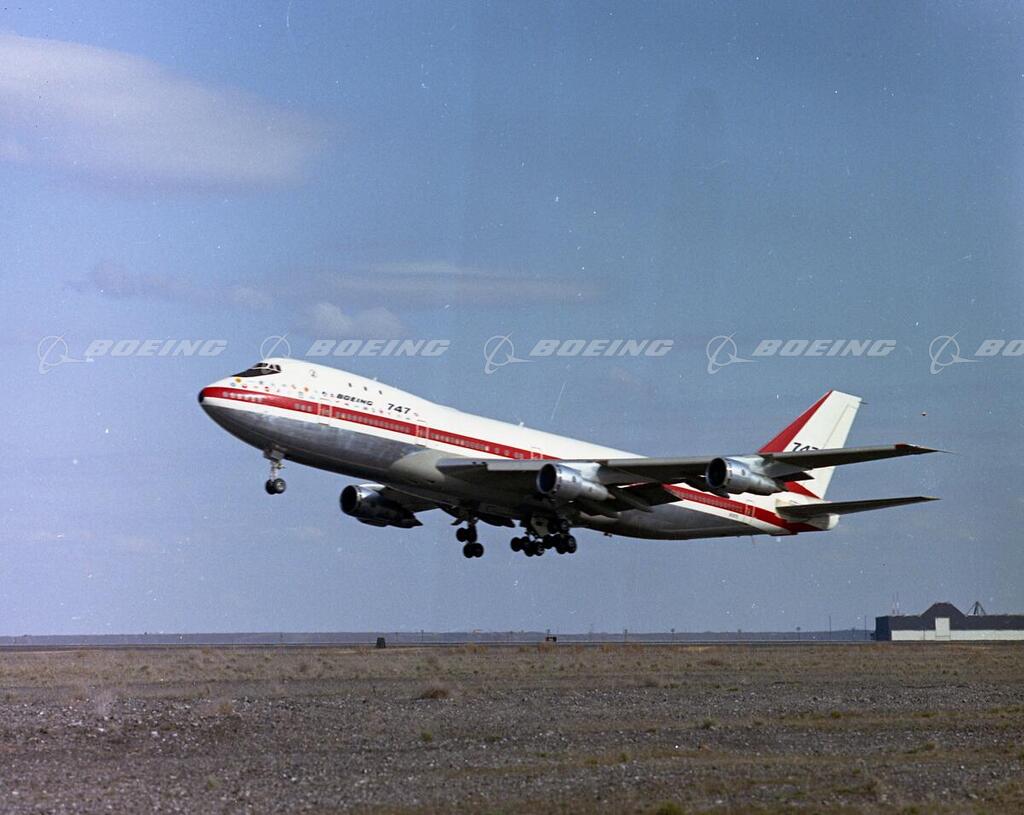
(534, 729)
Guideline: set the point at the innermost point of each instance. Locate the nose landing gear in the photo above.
(275, 484)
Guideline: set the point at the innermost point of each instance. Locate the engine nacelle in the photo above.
(564, 484)
(736, 477)
(370, 507)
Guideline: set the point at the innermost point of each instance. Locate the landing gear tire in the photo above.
(460, 535)
(275, 484)
(570, 545)
(516, 544)
(473, 549)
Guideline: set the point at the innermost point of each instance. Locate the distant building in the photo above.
(944, 622)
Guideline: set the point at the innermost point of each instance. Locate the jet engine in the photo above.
(736, 477)
(565, 484)
(367, 505)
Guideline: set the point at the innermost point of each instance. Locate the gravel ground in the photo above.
(623, 728)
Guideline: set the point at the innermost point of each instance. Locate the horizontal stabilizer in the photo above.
(803, 512)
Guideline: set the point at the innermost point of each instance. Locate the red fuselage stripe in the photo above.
(317, 409)
(737, 506)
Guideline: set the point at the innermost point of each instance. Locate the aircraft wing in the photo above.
(803, 512)
(790, 465)
(628, 471)
(811, 459)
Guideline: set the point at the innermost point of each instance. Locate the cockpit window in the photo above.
(260, 369)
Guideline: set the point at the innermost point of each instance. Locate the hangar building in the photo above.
(944, 622)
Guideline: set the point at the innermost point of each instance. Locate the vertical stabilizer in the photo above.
(823, 426)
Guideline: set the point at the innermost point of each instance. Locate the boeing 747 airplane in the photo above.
(422, 456)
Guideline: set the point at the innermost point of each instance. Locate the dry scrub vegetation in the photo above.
(856, 728)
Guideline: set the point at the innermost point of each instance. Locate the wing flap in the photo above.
(658, 470)
(649, 494)
(412, 503)
(508, 475)
(611, 472)
(462, 466)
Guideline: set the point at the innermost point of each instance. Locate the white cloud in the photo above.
(432, 268)
(110, 279)
(327, 321)
(127, 120)
(250, 296)
(409, 286)
(439, 282)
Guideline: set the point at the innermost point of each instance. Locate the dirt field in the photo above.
(622, 728)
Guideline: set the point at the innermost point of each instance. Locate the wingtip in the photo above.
(918, 449)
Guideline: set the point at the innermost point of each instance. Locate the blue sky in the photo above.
(459, 171)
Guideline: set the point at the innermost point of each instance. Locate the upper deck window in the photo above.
(260, 369)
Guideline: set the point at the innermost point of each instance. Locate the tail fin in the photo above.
(823, 426)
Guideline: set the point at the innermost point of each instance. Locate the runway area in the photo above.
(530, 728)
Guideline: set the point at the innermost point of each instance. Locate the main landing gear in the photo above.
(536, 545)
(467, 535)
(275, 484)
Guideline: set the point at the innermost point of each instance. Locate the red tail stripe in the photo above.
(781, 441)
(800, 489)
